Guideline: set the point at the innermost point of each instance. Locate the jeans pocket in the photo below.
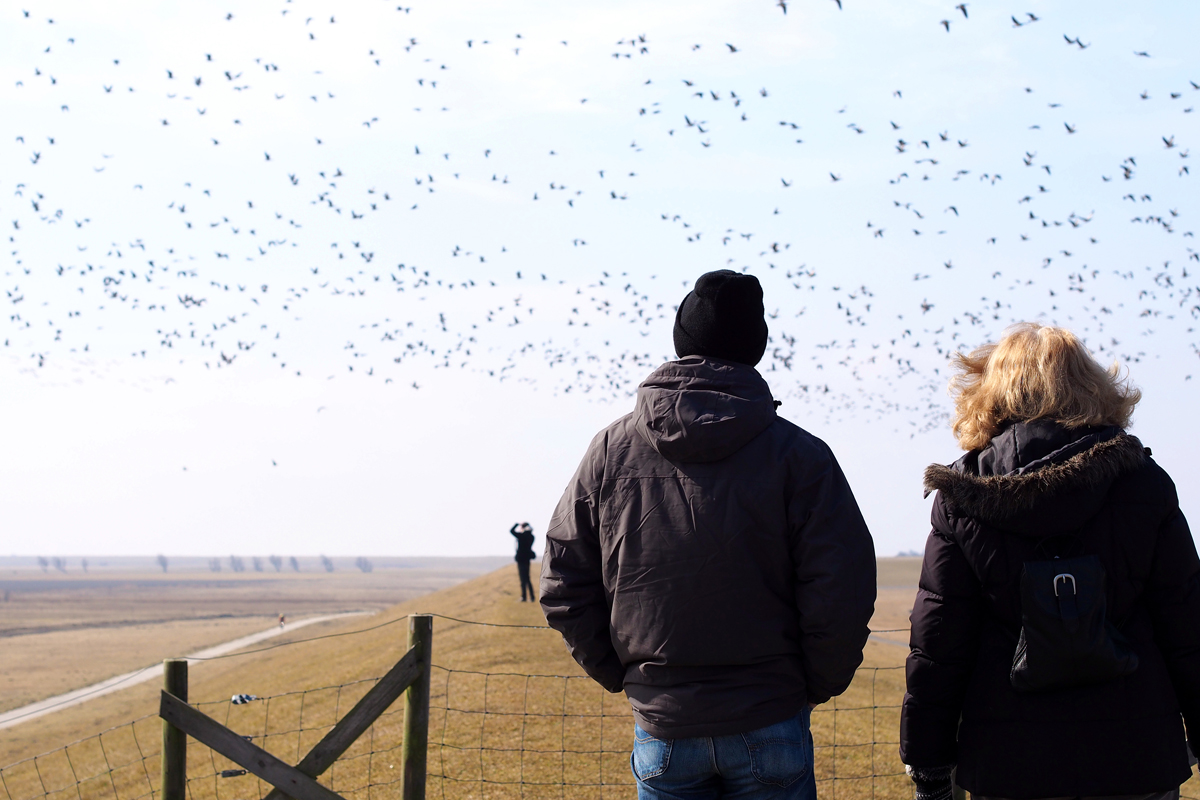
(650, 755)
(780, 754)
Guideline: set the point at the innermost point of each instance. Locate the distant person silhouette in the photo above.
(523, 532)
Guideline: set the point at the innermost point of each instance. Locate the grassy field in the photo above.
(497, 731)
(63, 630)
(512, 716)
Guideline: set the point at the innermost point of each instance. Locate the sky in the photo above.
(300, 278)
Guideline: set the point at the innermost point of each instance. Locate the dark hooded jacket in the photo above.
(708, 557)
(1036, 491)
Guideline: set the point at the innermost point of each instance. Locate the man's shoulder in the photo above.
(614, 437)
(793, 439)
(617, 431)
(603, 450)
(785, 436)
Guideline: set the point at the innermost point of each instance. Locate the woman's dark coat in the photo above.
(993, 508)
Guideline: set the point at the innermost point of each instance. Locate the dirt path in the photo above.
(34, 710)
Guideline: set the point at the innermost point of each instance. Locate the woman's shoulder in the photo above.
(958, 480)
(1146, 484)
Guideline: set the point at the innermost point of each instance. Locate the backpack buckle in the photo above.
(1064, 577)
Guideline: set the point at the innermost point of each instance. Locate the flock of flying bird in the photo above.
(593, 330)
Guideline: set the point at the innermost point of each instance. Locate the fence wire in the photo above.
(492, 736)
(121, 763)
(503, 735)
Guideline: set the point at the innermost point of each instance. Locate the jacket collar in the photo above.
(1027, 446)
(1080, 474)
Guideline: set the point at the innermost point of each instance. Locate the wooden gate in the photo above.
(410, 676)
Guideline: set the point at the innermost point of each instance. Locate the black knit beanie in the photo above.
(723, 318)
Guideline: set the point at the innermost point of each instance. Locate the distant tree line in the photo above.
(236, 563)
(59, 564)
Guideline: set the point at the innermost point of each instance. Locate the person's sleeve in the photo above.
(513, 529)
(572, 583)
(1174, 592)
(834, 563)
(944, 645)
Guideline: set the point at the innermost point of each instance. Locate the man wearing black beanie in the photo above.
(708, 559)
(722, 318)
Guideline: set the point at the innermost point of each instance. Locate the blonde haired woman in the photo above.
(1055, 647)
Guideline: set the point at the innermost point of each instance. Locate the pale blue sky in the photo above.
(148, 369)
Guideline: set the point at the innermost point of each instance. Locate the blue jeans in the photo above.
(775, 763)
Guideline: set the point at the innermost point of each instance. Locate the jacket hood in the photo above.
(701, 409)
(1037, 477)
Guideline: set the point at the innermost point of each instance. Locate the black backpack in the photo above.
(1066, 638)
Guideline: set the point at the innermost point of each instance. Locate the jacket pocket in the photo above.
(780, 754)
(650, 756)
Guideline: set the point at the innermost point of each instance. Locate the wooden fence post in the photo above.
(416, 711)
(174, 741)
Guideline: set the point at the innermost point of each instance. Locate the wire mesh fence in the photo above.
(492, 736)
(539, 736)
(121, 763)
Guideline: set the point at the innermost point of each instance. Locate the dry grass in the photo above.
(325, 662)
(511, 717)
(38, 666)
(60, 632)
(516, 733)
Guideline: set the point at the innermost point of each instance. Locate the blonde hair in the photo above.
(1035, 372)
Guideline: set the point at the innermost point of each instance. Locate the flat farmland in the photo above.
(511, 717)
(897, 587)
(479, 685)
(62, 630)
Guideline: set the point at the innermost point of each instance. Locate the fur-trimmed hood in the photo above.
(1061, 486)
